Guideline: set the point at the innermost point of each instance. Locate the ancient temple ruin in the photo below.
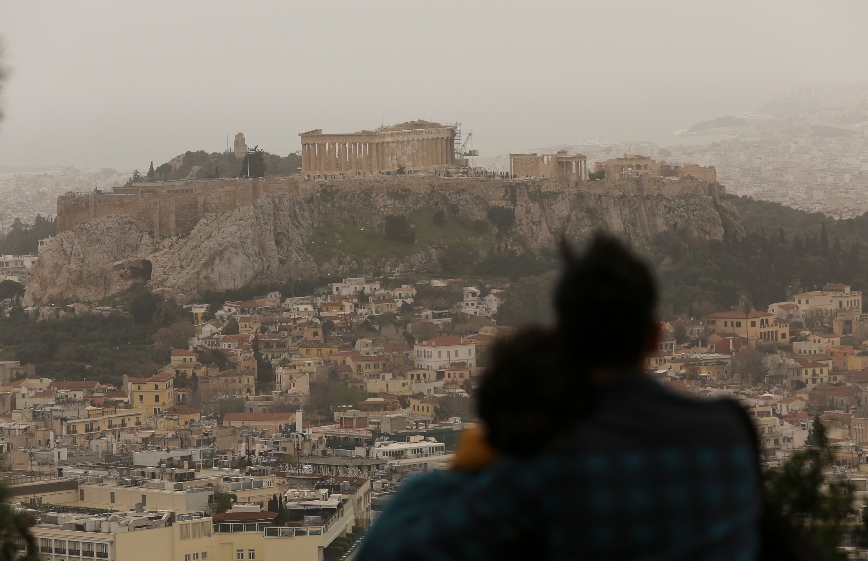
(411, 145)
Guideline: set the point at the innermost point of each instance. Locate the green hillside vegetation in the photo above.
(335, 239)
(97, 347)
(216, 165)
(23, 239)
(696, 277)
(784, 252)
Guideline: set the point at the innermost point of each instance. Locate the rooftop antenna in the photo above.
(227, 141)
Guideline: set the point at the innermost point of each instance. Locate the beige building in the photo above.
(229, 383)
(152, 395)
(632, 166)
(145, 536)
(755, 326)
(629, 166)
(239, 148)
(271, 423)
(810, 373)
(153, 495)
(829, 301)
(77, 431)
(412, 145)
(549, 165)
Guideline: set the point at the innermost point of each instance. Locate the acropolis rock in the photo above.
(266, 240)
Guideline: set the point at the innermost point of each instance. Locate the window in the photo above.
(157, 398)
(112, 497)
(141, 398)
(186, 557)
(204, 556)
(81, 494)
(195, 557)
(753, 324)
(144, 500)
(251, 554)
(239, 554)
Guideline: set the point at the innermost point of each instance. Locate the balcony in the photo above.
(87, 553)
(102, 554)
(60, 550)
(45, 549)
(76, 552)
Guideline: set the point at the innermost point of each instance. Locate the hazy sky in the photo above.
(122, 83)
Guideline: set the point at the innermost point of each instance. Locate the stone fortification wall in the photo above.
(176, 209)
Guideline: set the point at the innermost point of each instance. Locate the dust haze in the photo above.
(101, 84)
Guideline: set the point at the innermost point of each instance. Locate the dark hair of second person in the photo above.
(606, 304)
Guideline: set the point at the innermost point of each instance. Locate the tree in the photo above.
(175, 336)
(143, 305)
(458, 258)
(399, 229)
(439, 217)
(214, 356)
(502, 217)
(253, 164)
(231, 327)
(264, 368)
(680, 334)
(221, 502)
(816, 505)
(10, 289)
(817, 434)
(456, 406)
(150, 174)
(15, 529)
(528, 300)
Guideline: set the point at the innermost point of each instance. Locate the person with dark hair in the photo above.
(581, 454)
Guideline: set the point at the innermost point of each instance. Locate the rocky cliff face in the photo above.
(269, 241)
(94, 260)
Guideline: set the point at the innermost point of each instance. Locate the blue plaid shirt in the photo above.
(651, 475)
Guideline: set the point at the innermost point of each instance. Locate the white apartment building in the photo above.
(831, 299)
(417, 452)
(355, 285)
(474, 304)
(816, 344)
(440, 352)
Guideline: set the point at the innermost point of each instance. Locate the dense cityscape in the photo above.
(546, 291)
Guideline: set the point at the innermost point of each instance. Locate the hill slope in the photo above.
(339, 228)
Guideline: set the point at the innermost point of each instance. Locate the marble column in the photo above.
(342, 156)
(416, 152)
(320, 157)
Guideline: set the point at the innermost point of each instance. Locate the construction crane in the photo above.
(464, 149)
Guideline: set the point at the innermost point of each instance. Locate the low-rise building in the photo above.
(440, 352)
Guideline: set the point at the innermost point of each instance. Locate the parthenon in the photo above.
(412, 145)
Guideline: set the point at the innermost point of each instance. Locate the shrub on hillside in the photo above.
(399, 229)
